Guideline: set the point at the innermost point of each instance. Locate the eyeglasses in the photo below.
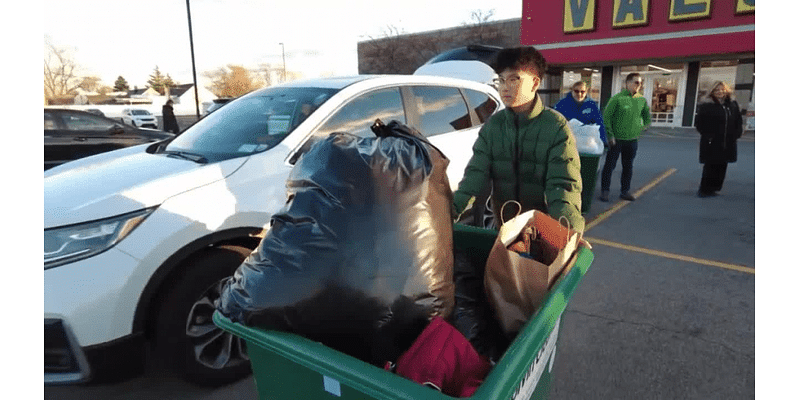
(511, 81)
(636, 82)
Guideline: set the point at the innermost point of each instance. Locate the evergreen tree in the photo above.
(160, 82)
(169, 83)
(157, 81)
(121, 85)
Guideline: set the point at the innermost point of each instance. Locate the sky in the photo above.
(112, 38)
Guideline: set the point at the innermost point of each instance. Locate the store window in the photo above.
(663, 85)
(589, 75)
(712, 71)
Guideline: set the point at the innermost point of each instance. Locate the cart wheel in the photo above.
(186, 337)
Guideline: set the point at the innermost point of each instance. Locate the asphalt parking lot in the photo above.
(666, 311)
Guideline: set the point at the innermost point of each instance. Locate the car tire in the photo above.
(186, 338)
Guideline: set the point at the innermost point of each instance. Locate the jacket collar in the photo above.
(538, 107)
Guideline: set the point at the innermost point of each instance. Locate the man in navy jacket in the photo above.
(579, 106)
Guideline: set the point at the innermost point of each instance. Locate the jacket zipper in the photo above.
(725, 132)
(515, 150)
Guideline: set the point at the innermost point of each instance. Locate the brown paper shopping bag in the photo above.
(530, 252)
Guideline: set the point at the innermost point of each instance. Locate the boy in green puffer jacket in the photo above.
(527, 150)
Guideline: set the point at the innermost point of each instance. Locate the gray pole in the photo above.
(283, 53)
(194, 72)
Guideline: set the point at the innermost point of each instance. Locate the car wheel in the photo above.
(186, 338)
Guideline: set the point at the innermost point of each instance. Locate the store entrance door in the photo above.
(662, 91)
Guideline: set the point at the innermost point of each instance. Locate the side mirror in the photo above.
(116, 129)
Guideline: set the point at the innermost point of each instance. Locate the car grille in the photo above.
(63, 359)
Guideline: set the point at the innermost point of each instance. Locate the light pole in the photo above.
(194, 71)
(283, 53)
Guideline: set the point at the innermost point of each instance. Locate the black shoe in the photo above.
(604, 195)
(627, 196)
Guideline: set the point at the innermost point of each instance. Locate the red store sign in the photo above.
(581, 31)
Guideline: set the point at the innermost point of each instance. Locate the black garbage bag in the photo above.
(473, 316)
(366, 225)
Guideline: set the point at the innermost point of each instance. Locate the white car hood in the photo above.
(122, 181)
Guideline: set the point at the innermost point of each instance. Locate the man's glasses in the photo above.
(511, 81)
(636, 82)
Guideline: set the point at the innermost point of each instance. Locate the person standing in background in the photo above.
(719, 121)
(578, 105)
(168, 115)
(625, 116)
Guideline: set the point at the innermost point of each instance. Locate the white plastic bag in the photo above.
(587, 137)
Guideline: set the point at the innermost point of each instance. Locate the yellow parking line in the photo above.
(622, 203)
(678, 257)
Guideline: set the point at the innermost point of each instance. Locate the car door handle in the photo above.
(79, 139)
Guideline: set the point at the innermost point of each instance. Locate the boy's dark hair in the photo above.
(632, 76)
(526, 58)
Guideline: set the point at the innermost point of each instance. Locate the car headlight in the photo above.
(71, 243)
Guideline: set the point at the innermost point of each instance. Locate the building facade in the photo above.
(680, 47)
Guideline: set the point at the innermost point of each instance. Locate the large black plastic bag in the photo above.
(473, 316)
(365, 237)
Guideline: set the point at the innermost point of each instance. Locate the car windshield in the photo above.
(251, 124)
(140, 112)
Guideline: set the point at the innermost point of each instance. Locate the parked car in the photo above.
(137, 239)
(95, 112)
(72, 134)
(478, 52)
(216, 104)
(139, 117)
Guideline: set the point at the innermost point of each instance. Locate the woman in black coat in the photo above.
(170, 122)
(719, 121)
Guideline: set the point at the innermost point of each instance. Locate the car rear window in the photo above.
(86, 122)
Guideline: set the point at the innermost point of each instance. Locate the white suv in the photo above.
(139, 118)
(136, 239)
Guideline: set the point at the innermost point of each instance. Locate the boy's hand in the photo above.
(611, 141)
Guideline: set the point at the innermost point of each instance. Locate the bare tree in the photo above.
(60, 70)
(396, 52)
(233, 81)
(90, 83)
(480, 30)
(270, 74)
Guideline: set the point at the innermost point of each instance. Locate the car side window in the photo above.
(440, 109)
(49, 122)
(84, 122)
(358, 115)
(482, 103)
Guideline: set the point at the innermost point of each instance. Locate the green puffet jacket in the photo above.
(534, 161)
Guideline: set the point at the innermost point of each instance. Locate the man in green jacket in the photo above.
(625, 115)
(527, 150)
